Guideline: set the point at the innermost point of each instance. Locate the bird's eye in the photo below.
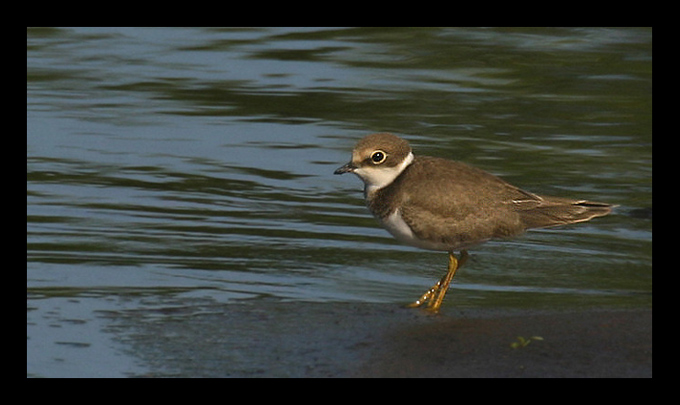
(378, 157)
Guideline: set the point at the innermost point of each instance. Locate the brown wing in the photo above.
(467, 205)
(464, 206)
(542, 212)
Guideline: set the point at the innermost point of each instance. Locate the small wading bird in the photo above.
(440, 204)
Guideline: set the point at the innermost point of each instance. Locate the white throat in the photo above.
(377, 177)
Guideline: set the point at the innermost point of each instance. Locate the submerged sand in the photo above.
(285, 339)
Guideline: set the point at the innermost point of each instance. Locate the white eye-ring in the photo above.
(378, 157)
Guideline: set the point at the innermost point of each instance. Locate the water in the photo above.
(171, 165)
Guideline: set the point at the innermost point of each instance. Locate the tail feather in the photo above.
(553, 211)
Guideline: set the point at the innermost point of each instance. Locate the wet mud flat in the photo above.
(269, 338)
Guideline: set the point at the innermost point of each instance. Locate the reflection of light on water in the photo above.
(198, 163)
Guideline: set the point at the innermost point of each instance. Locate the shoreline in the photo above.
(268, 338)
(573, 344)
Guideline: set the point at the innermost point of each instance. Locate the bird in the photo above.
(444, 205)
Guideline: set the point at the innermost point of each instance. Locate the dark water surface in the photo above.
(172, 166)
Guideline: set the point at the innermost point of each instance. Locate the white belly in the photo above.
(396, 225)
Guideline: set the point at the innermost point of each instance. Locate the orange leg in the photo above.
(435, 295)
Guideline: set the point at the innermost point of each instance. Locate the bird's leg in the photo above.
(428, 294)
(435, 295)
(454, 264)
